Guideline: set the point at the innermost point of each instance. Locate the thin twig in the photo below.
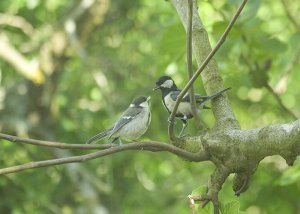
(147, 145)
(190, 62)
(279, 101)
(58, 145)
(290, 15)
(281, 85)
(107, 149)
(142, 146)
(269, 88)
(201, 68)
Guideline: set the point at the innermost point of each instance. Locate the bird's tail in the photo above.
(217, 94)
(99, 136)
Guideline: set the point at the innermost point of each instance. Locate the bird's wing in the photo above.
(217, 94)
(199, 98)
(126, 117)
(174, 95)
(186, 97)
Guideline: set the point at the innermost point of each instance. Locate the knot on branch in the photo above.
(241, 182)
(290, 159)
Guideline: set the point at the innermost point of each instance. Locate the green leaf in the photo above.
(171, 46)
(294, 40)
(173, 41)
(290, 176)
(273, 45)
(250, 10)
(259, 74)
(230, 208)
(208, 209)
(199, 191)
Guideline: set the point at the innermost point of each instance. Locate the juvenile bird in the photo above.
(170, 93)
(132, 124)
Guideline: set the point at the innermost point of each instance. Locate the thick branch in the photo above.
(223, 110)
(283, 139)
(237, 151)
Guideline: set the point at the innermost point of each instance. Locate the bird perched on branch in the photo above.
(170, 93)
(132, 124)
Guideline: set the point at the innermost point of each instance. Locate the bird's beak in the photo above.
(148, 98)
(157, 87)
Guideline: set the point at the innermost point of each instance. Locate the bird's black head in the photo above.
(165, 82)
(141, 101)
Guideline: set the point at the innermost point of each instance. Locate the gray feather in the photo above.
(216, 94)
(99, 136)
(126, 117)
(199, 98)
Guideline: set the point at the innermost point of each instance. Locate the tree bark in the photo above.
(231, 149)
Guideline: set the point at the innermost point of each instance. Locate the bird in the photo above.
(132, 124)
(170, 92)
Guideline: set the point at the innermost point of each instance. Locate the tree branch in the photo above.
(268, 86)
(230, 149)
(217, 179)
(18, 22)
(20, 63)
(189, 56)
(293, 20)
(107, 149)
(52, 144)
(279, 101)
(281, 85)
(282, 139)
(179, 5)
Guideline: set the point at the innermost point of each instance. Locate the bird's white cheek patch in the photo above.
(144, 104)
(167, 84)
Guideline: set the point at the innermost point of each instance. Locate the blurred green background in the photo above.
(69, 68)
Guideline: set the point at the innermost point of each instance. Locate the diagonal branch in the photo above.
(201, 68)
(281, 85)
(293, 19)
(280, 102)
(269, 88)
(189, 56)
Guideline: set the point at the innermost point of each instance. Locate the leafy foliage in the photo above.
(82, 80)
